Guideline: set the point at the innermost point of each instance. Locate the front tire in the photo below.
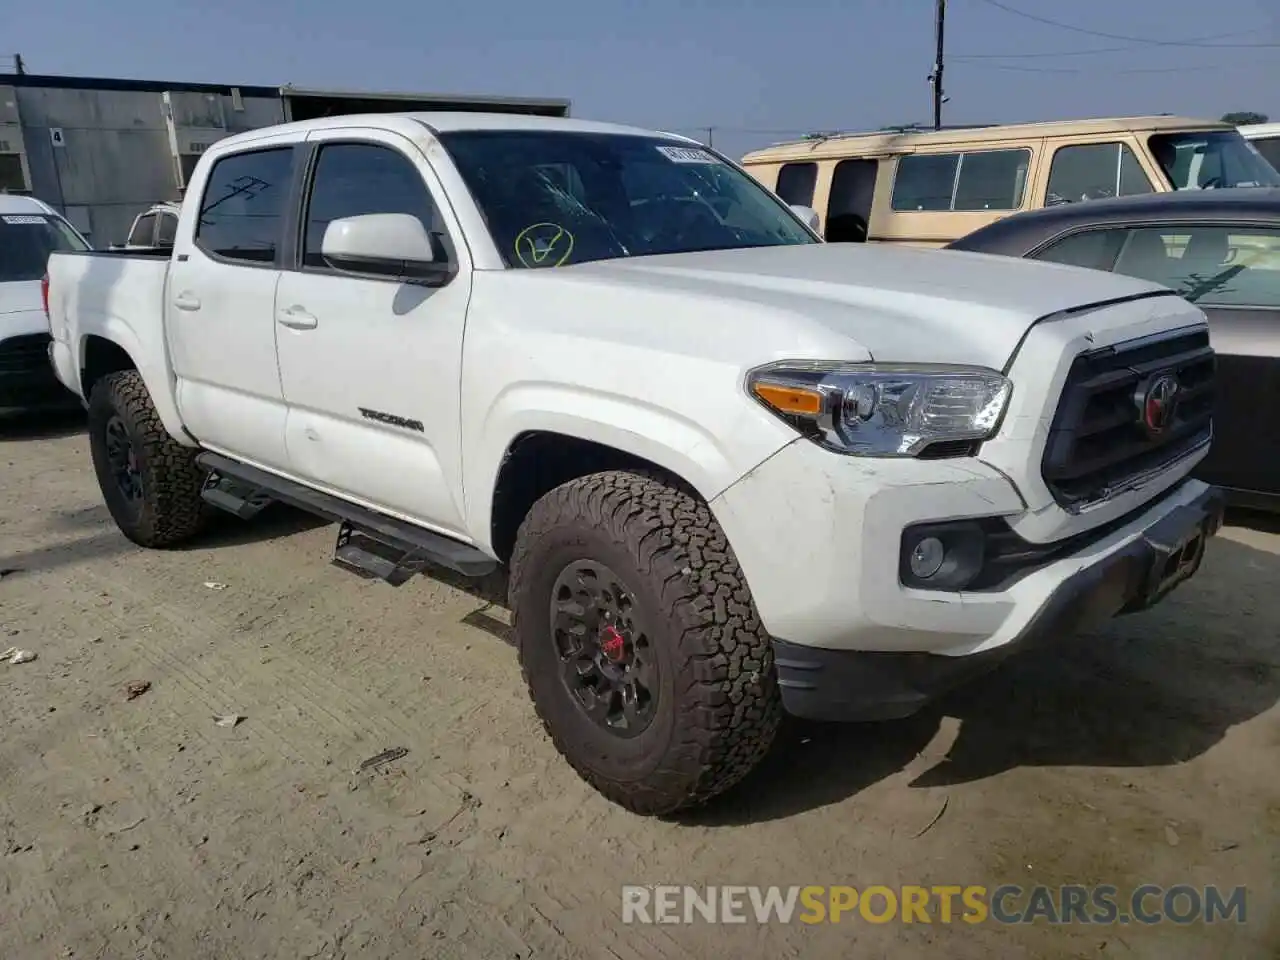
(150, 483)
(640, 643)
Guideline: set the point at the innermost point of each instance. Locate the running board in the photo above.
(370, 544)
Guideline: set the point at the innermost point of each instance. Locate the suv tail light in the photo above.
(44, 295)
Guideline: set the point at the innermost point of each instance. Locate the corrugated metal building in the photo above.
(102, 150)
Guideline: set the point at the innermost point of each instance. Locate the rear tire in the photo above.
(150, 483)
(675, 637)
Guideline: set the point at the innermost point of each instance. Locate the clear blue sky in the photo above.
(756, 71)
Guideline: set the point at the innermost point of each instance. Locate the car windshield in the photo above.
(27, 239)
(555, 198)
(1210, 160)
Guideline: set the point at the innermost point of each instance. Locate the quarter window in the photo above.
(980, 180)
(168, 230)
(1269, 147)
(354, 179)
(1093, 171)
(242, 208)
(796, 182)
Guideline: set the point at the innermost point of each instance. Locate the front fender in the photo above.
(708, 456)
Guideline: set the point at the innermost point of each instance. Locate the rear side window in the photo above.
(1094, 171)
(978, 180)
(26, 240)
(143, 231)
(242, 208)
(1095, 249)
(796, 182)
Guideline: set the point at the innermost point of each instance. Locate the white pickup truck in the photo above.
(733, 470)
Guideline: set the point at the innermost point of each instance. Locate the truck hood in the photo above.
(900, 304)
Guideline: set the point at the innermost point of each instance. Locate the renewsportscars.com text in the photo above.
(1007, 904)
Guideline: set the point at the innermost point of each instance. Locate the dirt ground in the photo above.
(1143, 753)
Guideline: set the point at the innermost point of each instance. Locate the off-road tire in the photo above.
(171, 509)
(719, 709)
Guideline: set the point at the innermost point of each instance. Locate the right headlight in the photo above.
(885, 410)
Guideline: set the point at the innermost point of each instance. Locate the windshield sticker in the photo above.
(23, 220)
(544, 245)
(687, 155)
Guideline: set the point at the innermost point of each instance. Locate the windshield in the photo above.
(1210, 160)
(556, 198)
(26, 240)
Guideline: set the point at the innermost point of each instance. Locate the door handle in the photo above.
(295, 318)
(186, 301)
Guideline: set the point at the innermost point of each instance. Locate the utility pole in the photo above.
(18, 65)
(940, 19)
(711, 136)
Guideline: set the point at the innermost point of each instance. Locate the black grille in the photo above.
(1099, 441)
(25, 353)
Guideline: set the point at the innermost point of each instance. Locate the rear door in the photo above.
(1232, 272)
(220, 302)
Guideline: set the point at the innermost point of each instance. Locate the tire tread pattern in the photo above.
(726, 685)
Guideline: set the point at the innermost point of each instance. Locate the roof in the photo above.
(1254, 131)
(892, 141)
(1246, 204)
(17, 203)
(449, 122)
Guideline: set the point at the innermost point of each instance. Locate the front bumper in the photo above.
(818, 539)
(822, 684)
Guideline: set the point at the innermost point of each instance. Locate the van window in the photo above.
(1213, 159)
(853, 188)
(796, 182)
(241, 212)
(981, 180)
(1269, 147)
(1093, 171)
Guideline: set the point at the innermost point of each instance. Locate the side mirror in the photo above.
(807, 214)
(388, 244)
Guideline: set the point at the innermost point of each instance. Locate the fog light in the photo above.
(927, 557)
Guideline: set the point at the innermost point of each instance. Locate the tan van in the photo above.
(931, 187)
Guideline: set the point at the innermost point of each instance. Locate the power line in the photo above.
(1119, 36)
(1194, 68)
(1046, 54)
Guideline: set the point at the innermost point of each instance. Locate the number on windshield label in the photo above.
(687, 155)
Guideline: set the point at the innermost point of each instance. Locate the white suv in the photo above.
(29, 231)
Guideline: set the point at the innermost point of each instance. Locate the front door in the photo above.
(220, 305)
(370, 365)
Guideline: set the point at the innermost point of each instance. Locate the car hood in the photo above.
(21, 308)
(900, 304)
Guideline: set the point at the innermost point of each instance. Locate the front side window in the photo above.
(611, 196)
(796, 182)
(26, 240)
(1095, 171)
(241, 212)
(1209, 265)
(1211, 160)
(355, 179)
(977, 180)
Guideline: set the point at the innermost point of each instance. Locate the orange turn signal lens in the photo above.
(795, 401)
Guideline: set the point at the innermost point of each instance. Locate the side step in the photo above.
(370, 544)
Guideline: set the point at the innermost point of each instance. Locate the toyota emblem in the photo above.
(1157, 403)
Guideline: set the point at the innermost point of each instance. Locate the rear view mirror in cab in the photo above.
(389, 244)
(807, 214)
